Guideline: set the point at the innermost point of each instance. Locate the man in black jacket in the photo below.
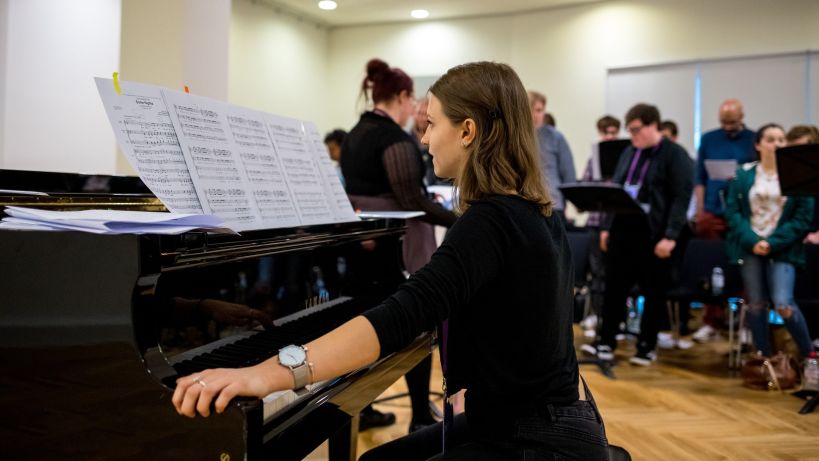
(659, 174)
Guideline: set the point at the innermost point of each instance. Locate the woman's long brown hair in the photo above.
(503, 156)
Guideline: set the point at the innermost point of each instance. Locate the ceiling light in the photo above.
(419, 14)
(327, 5)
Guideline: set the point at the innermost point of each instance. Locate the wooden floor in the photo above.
(687, 406)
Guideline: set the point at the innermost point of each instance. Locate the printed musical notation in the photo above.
(263, 168)
(254, 170)
(300, 170)
(330, 181)
(147, 137)
(213, 159)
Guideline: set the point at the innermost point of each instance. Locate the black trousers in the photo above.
(631, 260)
(572, 432)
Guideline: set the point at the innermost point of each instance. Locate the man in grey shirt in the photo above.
(556, 161)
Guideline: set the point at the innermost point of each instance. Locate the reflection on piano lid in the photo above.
(55, 182)
(74, 191)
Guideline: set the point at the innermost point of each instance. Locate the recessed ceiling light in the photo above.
(327, 5)
(419, 14)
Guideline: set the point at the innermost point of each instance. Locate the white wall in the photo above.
(278, 63)
(253, 56)
(51, 114)
(176, 43)
(565, 52)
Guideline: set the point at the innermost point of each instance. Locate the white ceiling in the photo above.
(358, 12)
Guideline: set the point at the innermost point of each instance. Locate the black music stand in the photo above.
(600, 197)
(607, 198)
(798, 170)
(608, 154)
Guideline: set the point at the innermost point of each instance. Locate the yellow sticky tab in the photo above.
(187, 90)
(116, 83)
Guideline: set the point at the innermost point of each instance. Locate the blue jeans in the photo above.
(764, 280)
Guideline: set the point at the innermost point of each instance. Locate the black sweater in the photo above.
(666, 188)
(503, 276)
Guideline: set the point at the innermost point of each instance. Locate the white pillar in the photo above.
(173, 43)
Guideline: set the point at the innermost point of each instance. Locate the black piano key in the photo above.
(251, 350)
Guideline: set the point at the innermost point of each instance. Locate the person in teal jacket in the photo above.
(765, 233)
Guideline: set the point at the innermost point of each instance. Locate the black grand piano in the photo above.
(94, 330)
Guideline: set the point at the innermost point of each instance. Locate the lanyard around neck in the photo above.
(636, 160)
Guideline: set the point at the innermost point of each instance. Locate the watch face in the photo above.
(291, 356)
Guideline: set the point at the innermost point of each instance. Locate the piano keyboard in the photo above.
(252, 347)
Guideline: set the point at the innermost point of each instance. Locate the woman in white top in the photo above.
(765, 233)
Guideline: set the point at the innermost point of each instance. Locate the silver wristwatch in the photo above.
(295, 358)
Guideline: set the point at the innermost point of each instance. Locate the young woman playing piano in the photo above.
(503, 280)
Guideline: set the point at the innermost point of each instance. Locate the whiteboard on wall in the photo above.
(669, 87)
(771, 88)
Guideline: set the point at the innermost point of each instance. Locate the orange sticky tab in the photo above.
(187, 90)
(116, 83)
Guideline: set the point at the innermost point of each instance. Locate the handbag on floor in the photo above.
(765, 373)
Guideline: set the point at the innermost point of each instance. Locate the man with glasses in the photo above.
(659, 175)
(732, 141)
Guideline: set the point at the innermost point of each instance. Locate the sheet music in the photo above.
(146, 135)
(339, 201)
(213, 159)
(252, 169)
(721, 169)
(110, 221)
(300, 169)
(263, 168)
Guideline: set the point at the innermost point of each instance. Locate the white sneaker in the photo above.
(605, 353)
(704, 334)
(589, 349)
(643, 360)
(665, 341)
(684, 344)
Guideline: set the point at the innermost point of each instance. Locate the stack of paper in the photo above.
(110, 221)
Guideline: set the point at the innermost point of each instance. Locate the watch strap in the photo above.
(301, 375)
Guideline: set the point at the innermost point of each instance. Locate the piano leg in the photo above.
(343, 444)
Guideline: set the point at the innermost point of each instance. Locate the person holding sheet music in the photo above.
(731, 141)
(658, 173)
(503, 279)
(765, 232)
(384, 170)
